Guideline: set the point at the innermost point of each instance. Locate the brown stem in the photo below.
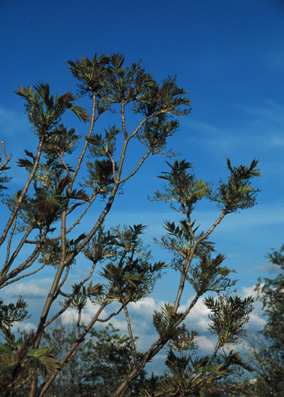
(10, 242)
(216, 223)
(28, 262)
(132, 340)
(91, 129)
(140, 125)
(82, 214)
(183, 276)
(67, 304)
(62, 282)
(24, 276)
(104, 320)
(78, 323)
(152, 352)
(24, 191)
(138, 166)
(8, 158)
(50, 296)
(72, 350)
(113, 166)
(123, 119)
(55, 283)
(15, 253)
(218, 346)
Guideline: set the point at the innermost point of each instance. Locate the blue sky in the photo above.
(227, 54)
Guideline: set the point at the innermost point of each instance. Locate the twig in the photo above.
(8, 158)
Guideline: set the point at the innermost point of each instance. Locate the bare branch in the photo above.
(73, 349)
(8, 158)
(24, 276)
(137, 167)
(9, 243)
(24, 191)
(123, 119)
(132, 340)
(216, 223)
(16, 252)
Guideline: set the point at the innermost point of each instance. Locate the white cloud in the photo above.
(267, 267)
(29, 288)
(205, 344)
(27, 326)
(146, 306)
(256, 322)
(249, 291)
(198, 317)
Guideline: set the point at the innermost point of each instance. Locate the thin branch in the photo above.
(183, 276)
(187, 213)
(27, 263)
(16, 252)
(138, 166)
(152, 352)
(62, 282)
(113, 166)
(188, 310)
(218, 346)
(78, 323)
(24, 191)
(132, 340)
(73, 349)
(64, 164)
(90, 198)
(67, 304)
(216, 223)
(9, 242)
(55, 283)
(8, 158)
(93, 197)
(25, 275)
(123, 119)
(144, 121)
(91, 129)
(110, 316)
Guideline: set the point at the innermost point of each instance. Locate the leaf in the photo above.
(43, 359)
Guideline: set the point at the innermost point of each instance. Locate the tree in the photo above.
(267, 349)
(56, 197)
(101, 362)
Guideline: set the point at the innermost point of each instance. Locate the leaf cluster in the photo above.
(182, 187)
(229, 316)
(237, 193)
(209, 275)
(18, 362)
(11, 313)
(188, 376)
(130, 274)
(100, 176)
(165, 322)
(80, 294)
(51, 250)
(44, 111)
